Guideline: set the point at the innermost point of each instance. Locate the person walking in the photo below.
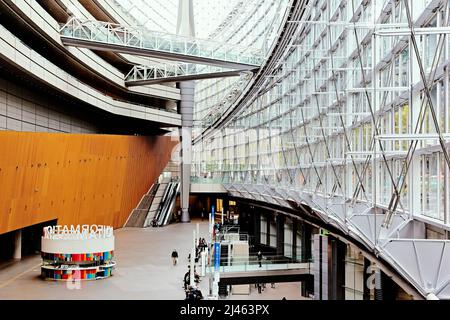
(186, 280)
(174, 257)
(259, 258)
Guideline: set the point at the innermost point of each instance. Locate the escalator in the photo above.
(156, 203)
(164, 213)
(224, 254)
(223, 290)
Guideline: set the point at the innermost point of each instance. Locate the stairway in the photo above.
(223, 290)
(145, 211)
(224, 255)
(139, 214)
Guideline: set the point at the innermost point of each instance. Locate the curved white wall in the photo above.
(77, 246)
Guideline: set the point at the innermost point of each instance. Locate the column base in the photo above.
(185, 216)
(17, 255)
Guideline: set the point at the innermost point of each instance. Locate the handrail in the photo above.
(167, 202)
(164, 203)
(171, 202)
(152, 193)
(248, 267)
(265, 260)
(165, 72)
(161, 204)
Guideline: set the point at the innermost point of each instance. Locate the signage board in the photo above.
(216, 256)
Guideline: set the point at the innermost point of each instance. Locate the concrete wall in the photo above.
(24, 110)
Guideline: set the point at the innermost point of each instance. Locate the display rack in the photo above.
(77, 253)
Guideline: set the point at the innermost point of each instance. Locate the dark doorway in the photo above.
(7, 246)
(31, 238)
(31, 241)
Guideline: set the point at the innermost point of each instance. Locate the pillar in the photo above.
(366, 279)
(185, 27)
(186, 109)
(320, 267)
(257, 227)
(226, 206)
(280, 234)
(208, 203)
(294, 239)
(203, 263)
(198, 234)
(17, 245)
(337, 270)
(185, 19)
(192, 262)
(306, 242)
(385, 287)
(378, 286)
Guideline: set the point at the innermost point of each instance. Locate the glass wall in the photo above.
(288, 238)
(346, 113)
(263, 237)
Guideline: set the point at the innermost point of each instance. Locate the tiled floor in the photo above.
(144, 271)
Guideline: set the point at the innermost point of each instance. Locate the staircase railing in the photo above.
(143, 206)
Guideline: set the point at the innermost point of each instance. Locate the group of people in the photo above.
(262, 286)
(187, 277)
(198, 249)
(201, 246)
(202, 243)
(193, 294)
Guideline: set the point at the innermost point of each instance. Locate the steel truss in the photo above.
(346, 124)
(255, 14)
(165, 72)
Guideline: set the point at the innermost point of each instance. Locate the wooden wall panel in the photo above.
(75, 178)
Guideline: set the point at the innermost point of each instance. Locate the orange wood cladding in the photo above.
(75, 178)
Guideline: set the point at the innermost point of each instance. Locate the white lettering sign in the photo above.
(78, 232)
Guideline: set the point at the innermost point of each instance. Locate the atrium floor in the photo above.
(144, 271)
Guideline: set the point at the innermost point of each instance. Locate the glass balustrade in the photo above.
(246, 265)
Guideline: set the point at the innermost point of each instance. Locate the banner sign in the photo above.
(216, 256)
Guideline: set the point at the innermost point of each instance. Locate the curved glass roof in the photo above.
(161, 15)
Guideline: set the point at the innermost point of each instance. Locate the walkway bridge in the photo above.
(247, 273)
(216, 59)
